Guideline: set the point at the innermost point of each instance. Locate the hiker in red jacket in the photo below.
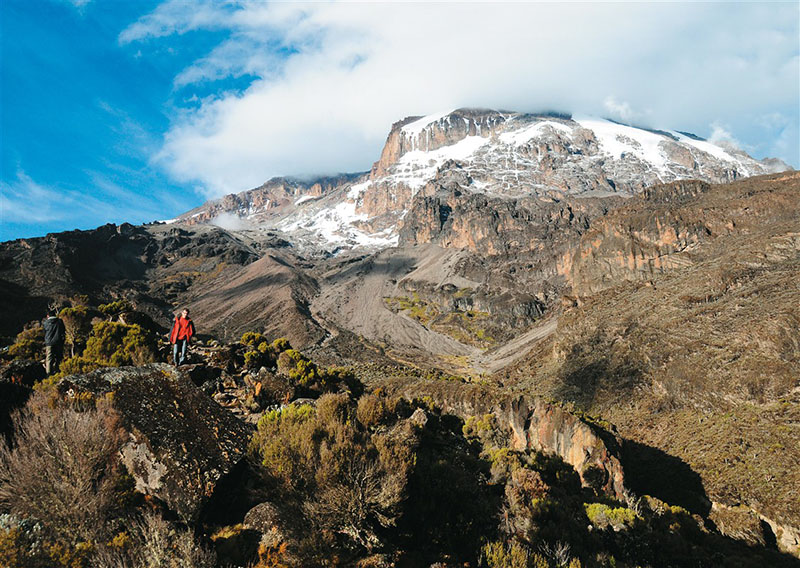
(181, 335)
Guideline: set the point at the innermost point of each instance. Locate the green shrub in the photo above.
(604, 516)
(280, 345)
(252, 338)
(480, 427)
(117, 344)
(283, 442)
(313, 381)
(499, 554)
(252, 359)
(115, 308)
(288, 360)
(29, 344)
(77, 366)
(349, 483)
(78, 324)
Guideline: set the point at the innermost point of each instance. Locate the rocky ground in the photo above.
(671, 315)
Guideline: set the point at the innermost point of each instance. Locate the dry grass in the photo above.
(62, 470)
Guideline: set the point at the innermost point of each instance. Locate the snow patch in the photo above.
(336, 225)
(707, 147)
(415, 128)
(417, 167)
(358, 189)
(305, 198)
(526, 134)
(618, 139)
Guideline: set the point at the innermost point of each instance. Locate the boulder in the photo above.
(181, 443)
(201, 374)
(534, 424)
(265, 518)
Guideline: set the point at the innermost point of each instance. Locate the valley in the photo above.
(582, 281)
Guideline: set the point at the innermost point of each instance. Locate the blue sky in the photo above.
(117, 111)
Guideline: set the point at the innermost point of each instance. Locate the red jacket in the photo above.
(182, 329)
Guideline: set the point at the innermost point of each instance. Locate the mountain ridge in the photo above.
(497, 153)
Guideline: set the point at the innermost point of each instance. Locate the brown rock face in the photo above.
(548, 428)
(536, 425)
(232, 285)
(661, 229)
(181, 443)
(451, 129)
(268, 201)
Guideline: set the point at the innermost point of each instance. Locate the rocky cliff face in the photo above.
(663, 229)
(686, 336)
(501, 155)
(513, 154)
(536, 425)
(270, 201)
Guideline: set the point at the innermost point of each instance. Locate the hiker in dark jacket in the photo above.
(54, 336)
(181, 336)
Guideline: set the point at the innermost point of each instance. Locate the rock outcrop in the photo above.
(181, 443)
(545, 427)
(272, 199)
(535, 425)
(664, 228)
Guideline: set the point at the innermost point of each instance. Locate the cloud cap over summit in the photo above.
(321, 83)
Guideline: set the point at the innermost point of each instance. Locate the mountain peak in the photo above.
(501, 154)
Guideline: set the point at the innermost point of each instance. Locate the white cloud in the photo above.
(24, 200)
(229, 221)
(331, 78)
(178, 17)
(622, 110)
(721, 136)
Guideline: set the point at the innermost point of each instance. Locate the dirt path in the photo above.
(518, 347)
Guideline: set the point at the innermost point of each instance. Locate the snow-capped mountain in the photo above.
(500, 154)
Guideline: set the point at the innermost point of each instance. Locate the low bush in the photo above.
(112, 344)
(260, 353)
(114, 309)
(154, 542)
(77, 366)
(311, 381)
(349, 478)
(604, 516)
(78, 325)
(29, 344)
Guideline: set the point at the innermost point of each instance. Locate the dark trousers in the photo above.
(53, 356)
(179, 351)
